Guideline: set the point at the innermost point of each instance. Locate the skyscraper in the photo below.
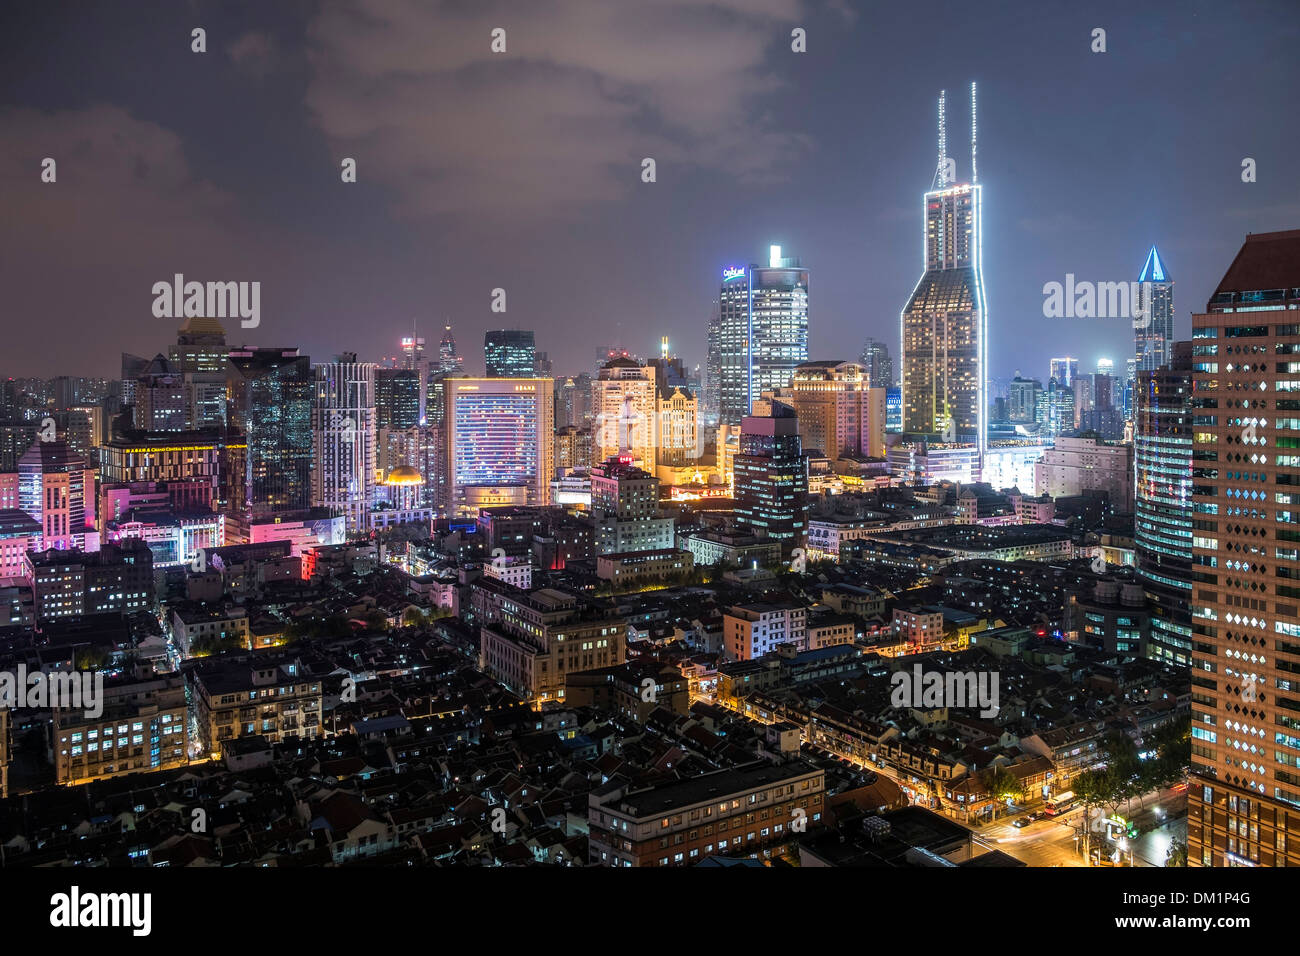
(1064, 370)
(449, 359)
(1022, 400)
(397, 398)
(510, 353)
(1154, 324)
(343, 439)
(879, 364)
(56, 489)
(200, 355)
(1162, 460)
(713, 368)
(271, 394)
(838, 411)
(1055, 410)
(500, 442)
(771, 477)
(762, 331)
(412, 352)
(160, 404)
(624, 400)
(944, 325)
(1244, 801)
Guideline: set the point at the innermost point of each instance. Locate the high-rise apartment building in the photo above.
(500, 442)
(1163, 462)
(343, 439)
(510, 353)
(271, 393)
(1154, 322)
(1244, 801)
(944, 325)
(762, 331)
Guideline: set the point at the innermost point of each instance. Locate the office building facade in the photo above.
(1244, 799)
(762, 332)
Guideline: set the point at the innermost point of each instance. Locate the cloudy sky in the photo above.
(522, 170)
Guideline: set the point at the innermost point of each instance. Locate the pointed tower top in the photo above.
(941, 172)
(1154, 270)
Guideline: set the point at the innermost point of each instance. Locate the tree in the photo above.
(1001, 783)
(1177, 855)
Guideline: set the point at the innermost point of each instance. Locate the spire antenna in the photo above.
(974, 175)
(941, 173)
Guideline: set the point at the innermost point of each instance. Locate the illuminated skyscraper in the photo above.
(1162, 459)
(271, 394)
(397, 398)
(412, 352)
(762, 331)
(500, 442)
(944, 325)
(56, 489)
(343, 439)
(160, 397)
(879, 364)
(200, 354)
(838, 411)
(624, 401)
(771, 477)
(1244, 798)
(449, 359)
(510, 353)
(713, 368)
(1064, 370)
(1154, 332)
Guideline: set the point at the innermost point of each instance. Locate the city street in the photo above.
(1052, 841)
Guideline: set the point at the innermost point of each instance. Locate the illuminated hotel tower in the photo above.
(500, 442)
(944, 325)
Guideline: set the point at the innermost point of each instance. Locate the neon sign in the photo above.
(729, 274)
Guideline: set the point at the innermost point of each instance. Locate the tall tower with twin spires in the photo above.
(944, 324)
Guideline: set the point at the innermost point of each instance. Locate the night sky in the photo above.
(523, 170)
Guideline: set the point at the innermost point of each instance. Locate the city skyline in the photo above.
(219, 209)
(464, 436)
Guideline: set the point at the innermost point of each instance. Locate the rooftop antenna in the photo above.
(941, 174)
(974, 176)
